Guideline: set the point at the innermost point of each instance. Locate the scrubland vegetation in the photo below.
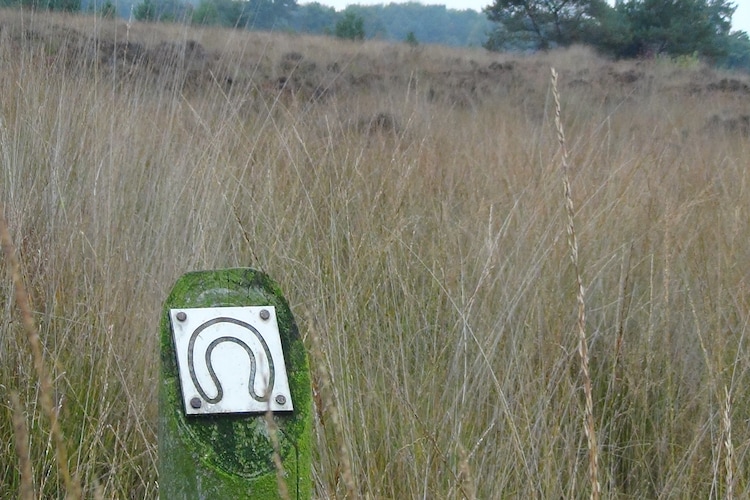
(409, 202)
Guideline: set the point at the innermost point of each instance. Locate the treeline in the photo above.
(410, 22)
(416, 22)
(698, 29)
(413, 21)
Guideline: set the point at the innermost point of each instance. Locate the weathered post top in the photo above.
(230, 352)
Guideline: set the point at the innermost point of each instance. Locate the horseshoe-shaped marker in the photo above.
(238, 340)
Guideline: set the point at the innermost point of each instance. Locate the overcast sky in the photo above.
(741, 19)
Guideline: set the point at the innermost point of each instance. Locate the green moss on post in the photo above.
(230, 455)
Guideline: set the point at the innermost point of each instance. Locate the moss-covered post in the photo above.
(221, 371)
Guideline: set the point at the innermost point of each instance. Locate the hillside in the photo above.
(409, 201)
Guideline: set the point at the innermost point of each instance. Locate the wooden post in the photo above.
(214, 394)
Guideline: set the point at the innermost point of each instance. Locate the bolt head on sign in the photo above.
(230, 360)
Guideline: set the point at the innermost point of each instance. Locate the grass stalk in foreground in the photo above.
(21, 433)
(326, 389)
(45, 383)
(728, 457)
(272, 430)
(582, 347)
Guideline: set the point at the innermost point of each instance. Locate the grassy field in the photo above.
(410, 203)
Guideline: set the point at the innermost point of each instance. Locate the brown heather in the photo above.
(408, 202)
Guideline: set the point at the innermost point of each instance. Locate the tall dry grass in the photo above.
(413, 212)
(589, 428)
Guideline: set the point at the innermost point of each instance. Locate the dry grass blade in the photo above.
(589, 428)
(72, 486)
(465, 476)
(21, 434)
(462, 479)
(330, 408)
(729, 448)
(273, 430)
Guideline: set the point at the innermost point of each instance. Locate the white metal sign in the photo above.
(230, 360)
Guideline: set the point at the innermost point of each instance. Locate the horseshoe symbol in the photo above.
(209, 364)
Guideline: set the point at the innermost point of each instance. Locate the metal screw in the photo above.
(264, 314)
(281, 399)
(181, 316)
(196, 403)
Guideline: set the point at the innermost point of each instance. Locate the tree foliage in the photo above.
(738, 51)
(677, 27)
(267, 14)
(429, 23)
(108, 10)
(145, 11)
(314, 18)
(543, 23)
(253, 14)
(632, 28)
(53, 5)
(162, 10)
(351, 27)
